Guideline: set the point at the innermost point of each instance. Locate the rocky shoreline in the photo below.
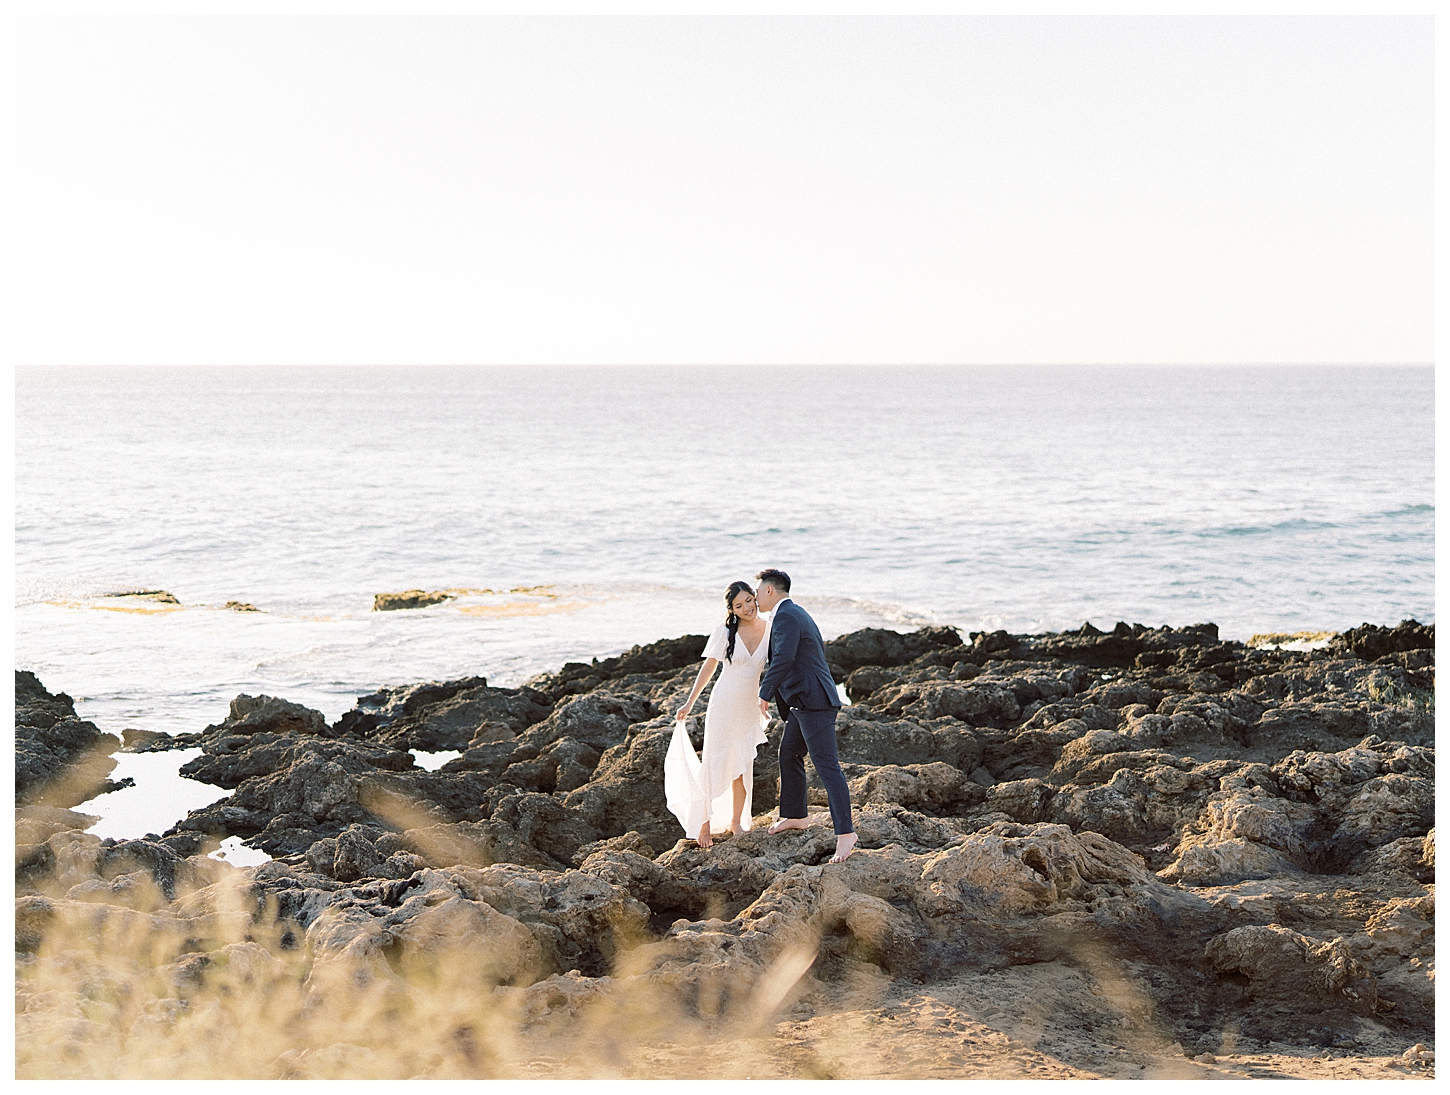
(1144, 852)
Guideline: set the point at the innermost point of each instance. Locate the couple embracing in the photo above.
(713, 793)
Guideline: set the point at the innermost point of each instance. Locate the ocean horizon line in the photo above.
(442, 365)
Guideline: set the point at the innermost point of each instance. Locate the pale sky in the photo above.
(279, 188)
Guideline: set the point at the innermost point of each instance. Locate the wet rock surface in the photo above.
(160, 596)
(409, 598)
(1242, 837)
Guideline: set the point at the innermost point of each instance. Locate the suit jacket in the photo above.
(796, 673)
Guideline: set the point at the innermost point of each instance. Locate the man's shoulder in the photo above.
(791, 610)
(799, 613)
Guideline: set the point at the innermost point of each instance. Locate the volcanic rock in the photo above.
(1243, 835)
(878, 647)
(657, 658)
(412, 598)
(158, 595)
(60, 760)
(1282, 963)
(264, 714)
(1370, 642)
(451, 715)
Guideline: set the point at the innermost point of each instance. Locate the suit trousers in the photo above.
(813, 732)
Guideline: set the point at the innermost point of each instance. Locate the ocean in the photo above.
(576, 511)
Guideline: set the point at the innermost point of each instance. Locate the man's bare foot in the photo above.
(788, 823)
(704, 840)
(845, 845)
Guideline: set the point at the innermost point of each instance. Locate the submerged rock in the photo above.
(160, 596)
(412, 598)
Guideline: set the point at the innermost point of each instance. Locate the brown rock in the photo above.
(1283, 963)
(411, 598)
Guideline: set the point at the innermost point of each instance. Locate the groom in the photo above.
(797, 679)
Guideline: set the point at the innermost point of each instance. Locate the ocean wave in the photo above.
(1406, 511)
(1294, 524)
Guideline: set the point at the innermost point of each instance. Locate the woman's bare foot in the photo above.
(704, 840)
(845, 845)
(788, 823)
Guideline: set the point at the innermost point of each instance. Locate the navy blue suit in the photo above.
(797, 679)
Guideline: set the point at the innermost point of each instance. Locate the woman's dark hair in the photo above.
(732, 621)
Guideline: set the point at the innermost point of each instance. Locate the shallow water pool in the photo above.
(431, 762)
(160, 798)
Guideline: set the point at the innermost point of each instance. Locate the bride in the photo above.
(704, 792)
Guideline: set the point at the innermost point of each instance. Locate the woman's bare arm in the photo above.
(706, 671)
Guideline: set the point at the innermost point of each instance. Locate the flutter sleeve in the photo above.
(715, 648)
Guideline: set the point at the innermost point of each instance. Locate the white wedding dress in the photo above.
(697, 788)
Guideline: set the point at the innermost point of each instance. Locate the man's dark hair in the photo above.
(778, 578)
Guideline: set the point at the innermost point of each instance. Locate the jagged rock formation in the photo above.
(160, 596)
(60, 760)
(1250, 832)
(411, 598)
